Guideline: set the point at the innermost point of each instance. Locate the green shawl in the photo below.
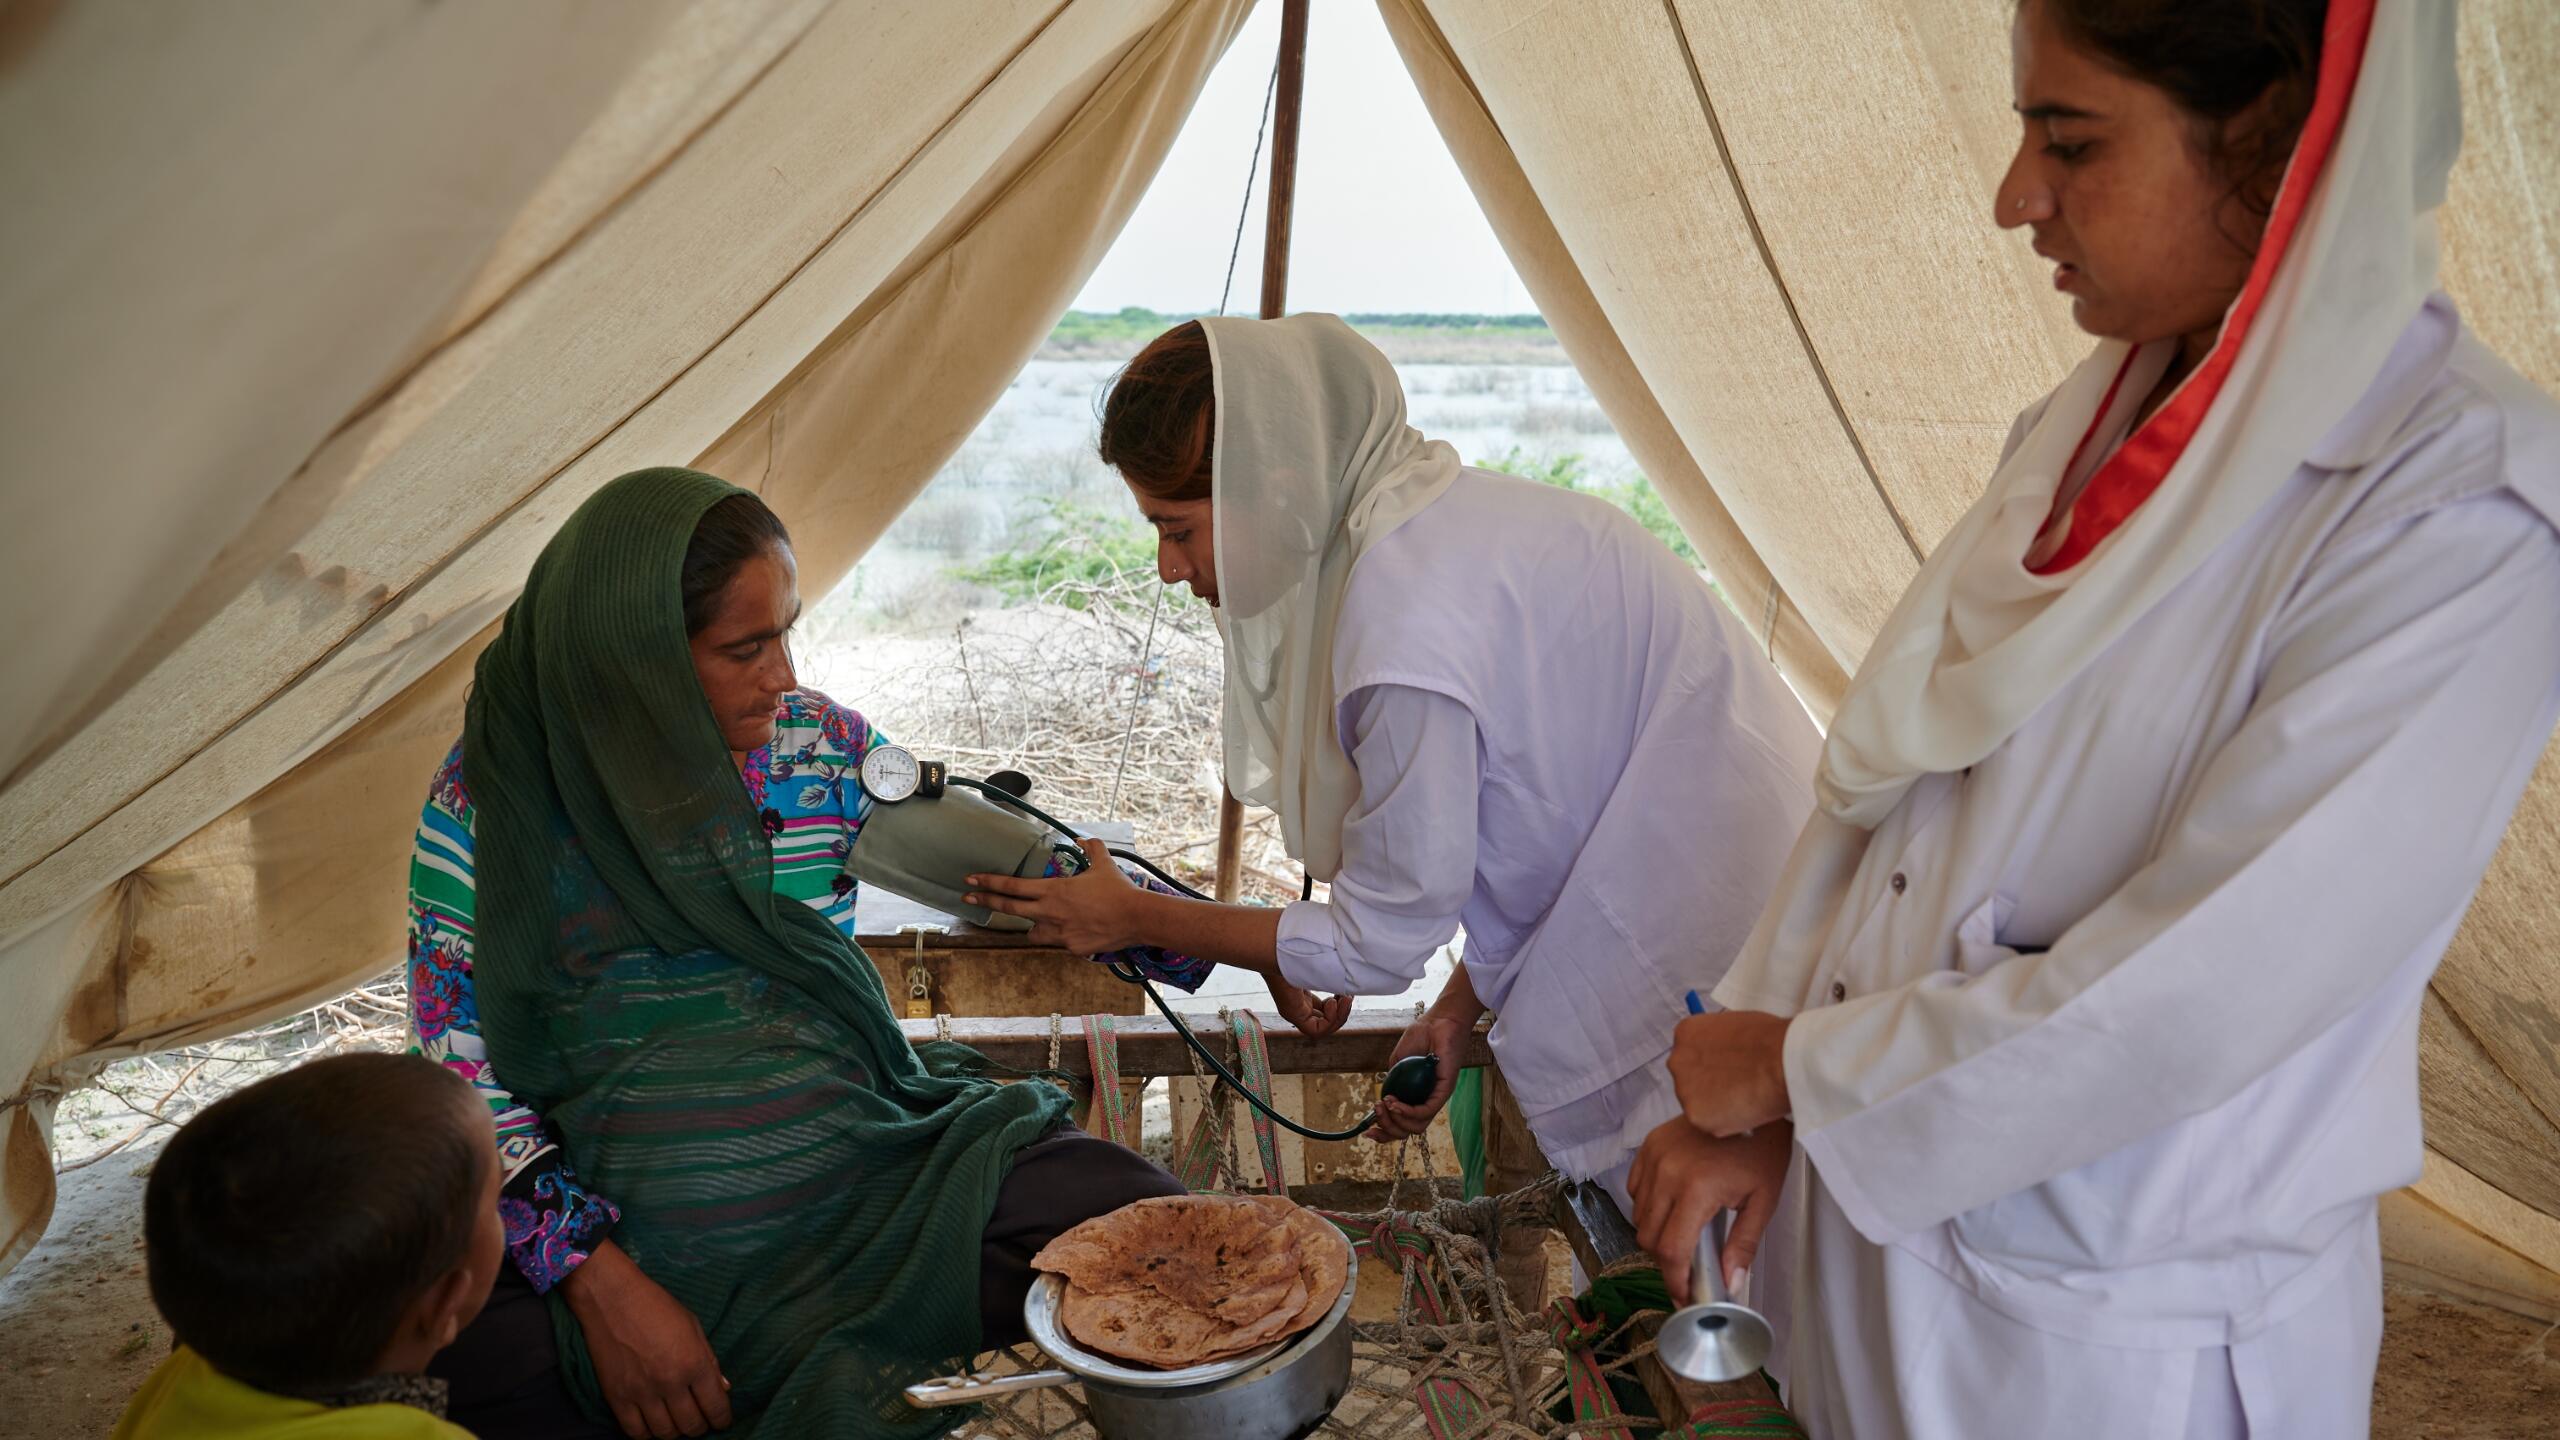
(719, 1060)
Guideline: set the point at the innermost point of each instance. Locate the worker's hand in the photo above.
(1433, 1034)
(1730, 1069)
(1092, 912)
(1303, 1009)
(1682, 1177)
(651, 1359)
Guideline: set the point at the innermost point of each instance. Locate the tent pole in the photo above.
(1275, 302)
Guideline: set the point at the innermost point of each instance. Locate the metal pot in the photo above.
(1281, 1393)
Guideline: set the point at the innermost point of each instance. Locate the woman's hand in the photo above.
(1093, 912)
(1730, 1069)
(651, 1358)
(1302, 1009)
(1436, 1033)
(1682, 1177)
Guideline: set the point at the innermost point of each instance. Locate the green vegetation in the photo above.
(1092, 334)
(1072, 547)
(1571, 472)
(1079, 547)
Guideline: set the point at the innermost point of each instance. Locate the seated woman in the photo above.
(1472, 699)
(631, 929)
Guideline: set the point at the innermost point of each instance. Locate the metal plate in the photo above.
(1040, 1317)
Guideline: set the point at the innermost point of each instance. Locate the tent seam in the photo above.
(2454, 1017)
(1786, 297)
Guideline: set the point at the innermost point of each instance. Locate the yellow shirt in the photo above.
(187, 1399)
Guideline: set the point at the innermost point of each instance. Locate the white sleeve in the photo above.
(2408, 688)
(1408, 848)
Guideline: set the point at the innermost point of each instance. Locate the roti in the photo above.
(1140, 1325)
(1185, 1280)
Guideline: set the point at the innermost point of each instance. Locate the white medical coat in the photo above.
(1567, 743)
(2114, 1045)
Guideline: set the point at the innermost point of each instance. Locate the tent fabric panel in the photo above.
(1843, 141)
(241, 264)
(866, 421)
(2481, 1112)
(1538, 253)
(1601, 110)
(651, 302)
(2502, 211)
(2498, 987)
(966, 255)
(2427, 1245)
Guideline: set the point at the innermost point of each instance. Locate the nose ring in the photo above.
(2019, 204)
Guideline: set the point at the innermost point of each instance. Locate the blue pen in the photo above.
(1696, 1005)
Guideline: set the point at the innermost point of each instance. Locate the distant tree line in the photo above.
(1136, 322)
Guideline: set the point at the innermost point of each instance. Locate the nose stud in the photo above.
(2018, 204)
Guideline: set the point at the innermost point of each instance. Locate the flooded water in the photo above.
(1036, 447)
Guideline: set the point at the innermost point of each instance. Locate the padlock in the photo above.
(919, 982)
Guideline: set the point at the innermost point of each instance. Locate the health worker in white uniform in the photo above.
(2081, 1037)
(1473, 700)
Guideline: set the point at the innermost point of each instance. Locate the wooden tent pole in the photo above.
(1275, 302)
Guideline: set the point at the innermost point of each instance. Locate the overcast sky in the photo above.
(1384, 221)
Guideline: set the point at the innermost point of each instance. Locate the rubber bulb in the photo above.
(1411, 1079)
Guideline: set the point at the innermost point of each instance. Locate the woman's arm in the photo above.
(553, 1223)
(1408, 866)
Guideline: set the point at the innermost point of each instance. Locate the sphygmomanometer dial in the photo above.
(891, 773)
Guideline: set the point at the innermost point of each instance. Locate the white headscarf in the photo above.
(1979, 643)
(1313, 464)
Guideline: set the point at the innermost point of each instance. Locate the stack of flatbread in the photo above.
(1193, 1278)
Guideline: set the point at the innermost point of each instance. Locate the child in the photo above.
(313, 1240)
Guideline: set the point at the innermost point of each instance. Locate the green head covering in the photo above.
(720, 1061)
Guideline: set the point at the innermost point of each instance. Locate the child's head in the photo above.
(336, 1221)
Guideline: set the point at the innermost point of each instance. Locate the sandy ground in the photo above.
(77, 1331)
(77, 1334)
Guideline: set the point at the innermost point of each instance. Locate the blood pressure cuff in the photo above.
(926, 850)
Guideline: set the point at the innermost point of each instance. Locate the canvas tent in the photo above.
(324, 315)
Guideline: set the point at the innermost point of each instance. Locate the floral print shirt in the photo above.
(813, 806)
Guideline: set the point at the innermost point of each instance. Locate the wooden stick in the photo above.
(1148, 1045)
(1284, 159)
(1230, 846)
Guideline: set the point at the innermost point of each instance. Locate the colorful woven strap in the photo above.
(1407, 1249)
(1593, 1404)
(1253, 1067)
(1111, 1118)
(1739, 1417)
(1574, 1331)
(1453, 1408)
(1197, 1159)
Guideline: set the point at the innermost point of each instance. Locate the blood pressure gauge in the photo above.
(890, 773)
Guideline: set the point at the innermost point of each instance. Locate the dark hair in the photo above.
(2216, 58)
(735, 530)
(287, 1227)
(1159, 424)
